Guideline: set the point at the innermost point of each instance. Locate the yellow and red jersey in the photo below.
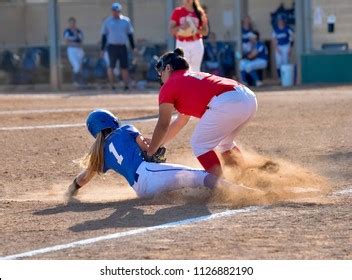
(180, 15)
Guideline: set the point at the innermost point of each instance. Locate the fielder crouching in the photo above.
(223, 106)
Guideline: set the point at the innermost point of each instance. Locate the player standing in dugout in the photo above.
(189, 24)
(74, 37)
(117, 32)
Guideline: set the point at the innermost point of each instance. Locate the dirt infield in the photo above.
(307, 134)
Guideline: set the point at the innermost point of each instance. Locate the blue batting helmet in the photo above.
(100, 119)
(281, 17)
(116, 7)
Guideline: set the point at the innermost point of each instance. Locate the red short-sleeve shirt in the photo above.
(180, 14)
(190, 92)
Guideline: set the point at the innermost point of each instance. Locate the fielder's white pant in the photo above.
(250, 65)
(228, 113)
(194, 51)
(282, 55)
(75, 56)
(155, 178)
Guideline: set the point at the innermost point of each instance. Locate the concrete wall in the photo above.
(12, 24)
(342, 9)
(27, 24)
(36, 22)
(149, 19)
(260, 10)
(218, 11)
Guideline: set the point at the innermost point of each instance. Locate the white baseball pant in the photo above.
(282, 55)
(250, 65)
(228, 113)
(155, 178)
(194, 51)
(75, 56)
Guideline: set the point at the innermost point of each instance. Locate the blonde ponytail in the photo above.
(94, 160)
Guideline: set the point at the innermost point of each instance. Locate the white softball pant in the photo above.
(154, 178)
(228, 113)
(250, 65)
(282, 55)
(75, 56)
(194, 51)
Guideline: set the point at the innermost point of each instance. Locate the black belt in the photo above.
(118, 45)
(136, 177)
(219, 95)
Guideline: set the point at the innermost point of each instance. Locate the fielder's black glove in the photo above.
(158, 157)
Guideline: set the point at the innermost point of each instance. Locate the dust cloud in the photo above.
(258, 180)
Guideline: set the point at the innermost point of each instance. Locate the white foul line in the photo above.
(67, 110)
(41, 126)
(344, 191)
(49, 126)
(118, 235)
(69, 125)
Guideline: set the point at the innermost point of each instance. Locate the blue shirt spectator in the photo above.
(117, 30)
(283, 35)
(247, 33)
(256, 59)
(282, 41)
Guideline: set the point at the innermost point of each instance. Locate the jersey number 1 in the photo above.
(118, 157)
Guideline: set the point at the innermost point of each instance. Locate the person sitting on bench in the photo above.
(256, 59)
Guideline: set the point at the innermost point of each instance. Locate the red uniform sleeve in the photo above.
(166, 94)
(176, 16)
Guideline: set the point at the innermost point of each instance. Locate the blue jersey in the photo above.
(262, 50)
(283, 36)
(75, 37)
(122, 153)
(246, 35)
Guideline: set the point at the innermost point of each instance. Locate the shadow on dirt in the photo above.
(340, 162)
(338, 156)
(129, 214)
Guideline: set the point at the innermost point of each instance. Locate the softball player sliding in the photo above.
(189, 24)
(120, 148)
(283, 38)
(223, 105)
(74, 37)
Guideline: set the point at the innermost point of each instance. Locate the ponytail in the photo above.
(179, 52)
(198, 10)
(94, 160)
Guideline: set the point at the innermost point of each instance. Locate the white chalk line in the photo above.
(50, 126)
(68, 110)
(64, 94)
(118, 235)
(41, 126)
(347, 191)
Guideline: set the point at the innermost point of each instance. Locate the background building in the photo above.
(26, 23)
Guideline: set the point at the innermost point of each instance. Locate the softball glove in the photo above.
(158, 156)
